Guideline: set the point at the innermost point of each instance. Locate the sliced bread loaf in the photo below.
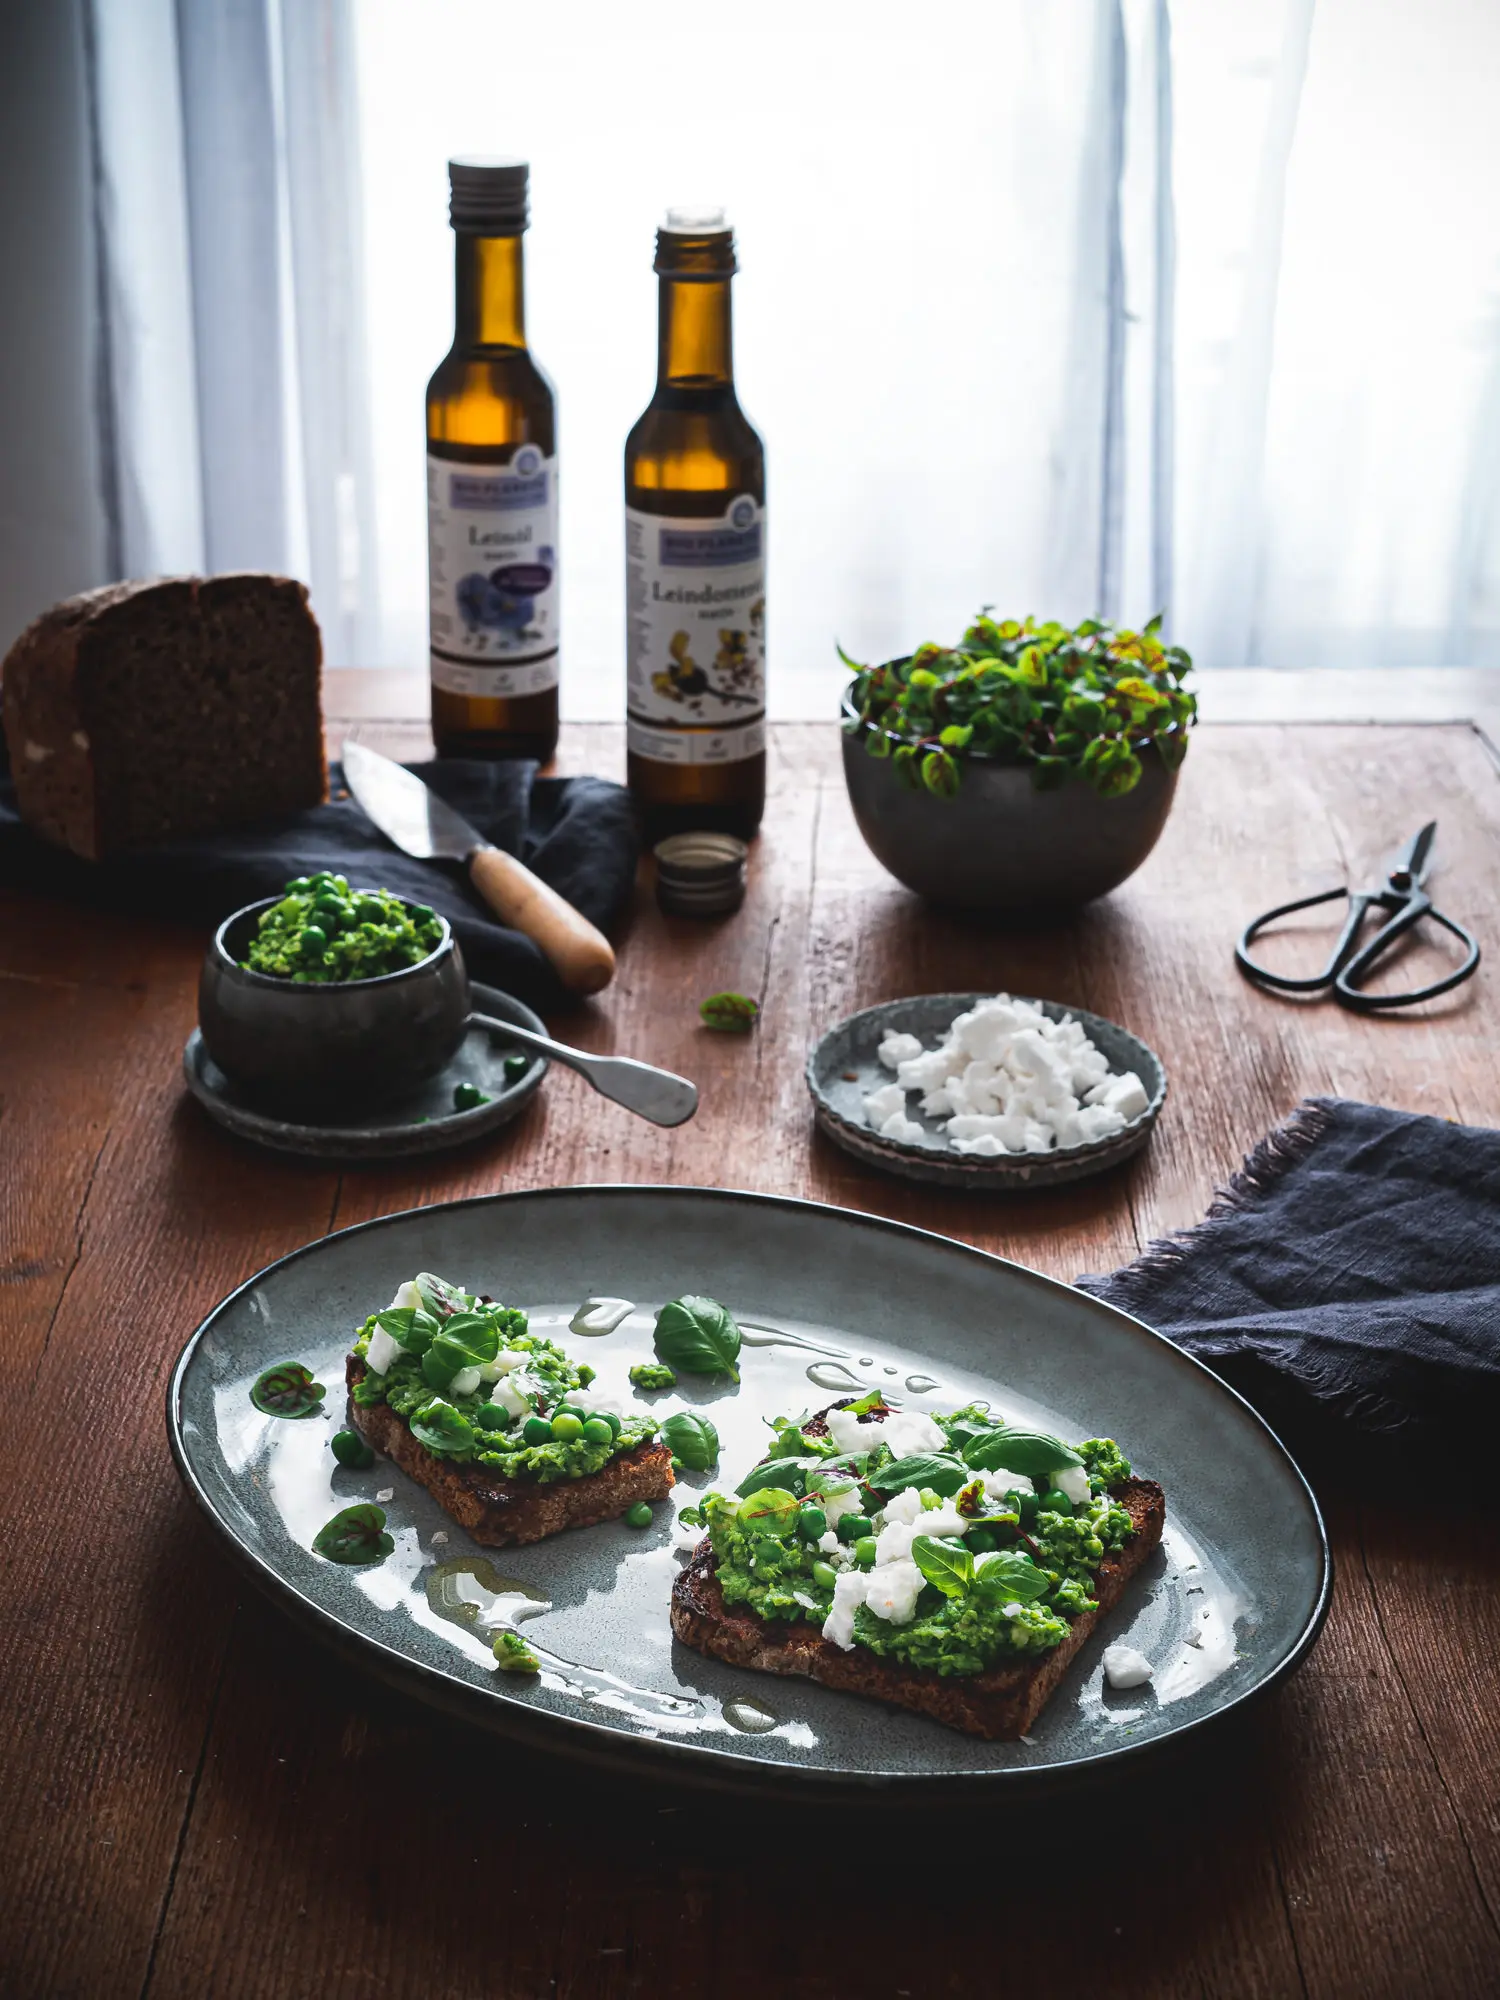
(145, 711)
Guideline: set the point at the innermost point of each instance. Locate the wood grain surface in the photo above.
(195, 1800)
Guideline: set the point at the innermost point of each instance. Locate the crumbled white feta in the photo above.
(465, 1382)
(884, 1103)
(903, 1507)
(507, 1359)
(848, 1433)
(907, 1130)
(1008, 1079)
(1074, 1481)
(381, 1352)
(1124, 1667)
(508, 1394)
(849, 1592)
(836, 1505)
(892, 1591)
(407, 1295)
(898, 1048)
(908, 1432)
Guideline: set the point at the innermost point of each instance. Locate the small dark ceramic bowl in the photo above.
(363, 1041)
(1000, 845)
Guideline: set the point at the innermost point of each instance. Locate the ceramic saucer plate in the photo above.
(844, 1066)
(424, 1122)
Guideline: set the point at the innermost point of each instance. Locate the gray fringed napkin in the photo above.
(1351, 1272)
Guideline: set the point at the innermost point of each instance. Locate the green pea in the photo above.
(537, 1430)
(468, 1097)
(1028, 1506)
(566, 1426)
(852, 1526)
(677, 1467)
(570, 1410)
(516, 1067)
(597, 1431)
(341, 882)
(767, 1553)
(1055, 1501)
(864, 1552)
(615, 1425)
(824, 1575)
(811, 1523)
(492, 1416)
(296, 888)
(369, 909)
(313, 939)
(979, 1540)
(639, 1516)
(421, 913)
(350, 1449)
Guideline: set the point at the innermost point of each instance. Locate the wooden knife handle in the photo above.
(581, 956)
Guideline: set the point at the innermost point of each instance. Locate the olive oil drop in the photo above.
(695, 498)
(492, 491)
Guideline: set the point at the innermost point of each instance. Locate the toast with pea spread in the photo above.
(949, 1564)
(498, 1424)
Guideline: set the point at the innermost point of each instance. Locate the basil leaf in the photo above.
(936, 1471)
(439, 1297)
(441, 1428)
(409, 1327)
(691, 1438)
(771, 1511)
(287, 1390)
(471, 1336)
(698, 1336)
(773, 1472)
(944, 1562)
(357, 1535)
(1011, 1576)
(1031, 1453)
(692, 1517)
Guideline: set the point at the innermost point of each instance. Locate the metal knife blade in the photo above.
(405, 810)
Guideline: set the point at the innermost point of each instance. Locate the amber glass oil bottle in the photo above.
(695, 567)
(492, 491)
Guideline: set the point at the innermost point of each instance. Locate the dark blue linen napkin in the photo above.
(1347, 1281)
(577, 834)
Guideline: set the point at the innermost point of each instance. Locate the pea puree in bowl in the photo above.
(332, 999)
(322, 932)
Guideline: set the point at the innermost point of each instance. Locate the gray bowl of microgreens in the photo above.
(1024, 771)
(328, 998)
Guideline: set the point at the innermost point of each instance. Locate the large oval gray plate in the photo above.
(425, 1122)
(1231, 1602)
(845, 1064)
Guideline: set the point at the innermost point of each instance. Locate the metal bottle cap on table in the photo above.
(700, 874)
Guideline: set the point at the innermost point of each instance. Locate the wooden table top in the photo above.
(196, 1800)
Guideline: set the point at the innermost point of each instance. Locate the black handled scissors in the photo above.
(1403, 896)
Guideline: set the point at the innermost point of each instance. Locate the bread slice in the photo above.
(502, 1512)
(142, 712)
(1000, 1704)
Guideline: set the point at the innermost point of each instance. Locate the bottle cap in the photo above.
(695, 219)
(488, 197)
(700, 874)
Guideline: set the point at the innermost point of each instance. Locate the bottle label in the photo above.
(695, 593)
(492, 570)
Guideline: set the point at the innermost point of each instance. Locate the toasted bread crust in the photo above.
(502, 1512)
(1002, 1703)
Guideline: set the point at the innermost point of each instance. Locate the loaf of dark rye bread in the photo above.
(142, 712)
(502, 1512)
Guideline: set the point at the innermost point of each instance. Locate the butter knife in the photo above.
(416, 820)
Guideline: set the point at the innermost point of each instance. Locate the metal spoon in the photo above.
(651, 1093)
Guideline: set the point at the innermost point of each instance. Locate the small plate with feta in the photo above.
(985, 1090)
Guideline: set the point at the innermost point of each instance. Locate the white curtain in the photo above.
(235, 409)
(1071, 306)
